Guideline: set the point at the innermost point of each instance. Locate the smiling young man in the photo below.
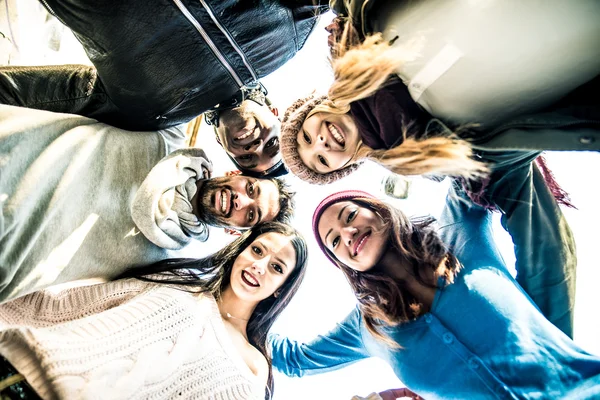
(249, 134)
(81, 199)
(241, 201)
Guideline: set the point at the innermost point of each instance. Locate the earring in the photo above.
(276, 294)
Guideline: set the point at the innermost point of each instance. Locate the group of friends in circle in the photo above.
(97, 184)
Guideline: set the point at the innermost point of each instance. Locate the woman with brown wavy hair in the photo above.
(439, 306)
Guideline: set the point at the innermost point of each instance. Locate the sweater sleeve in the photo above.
(466, 229)
(46, 307)
(340, 347)
(162, 208)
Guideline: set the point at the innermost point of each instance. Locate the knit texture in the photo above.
(345, 195)
(124, 340)
(292, 122)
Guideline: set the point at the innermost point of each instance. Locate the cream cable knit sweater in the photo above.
(124, 340)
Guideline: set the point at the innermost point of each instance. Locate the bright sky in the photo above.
(325, 298)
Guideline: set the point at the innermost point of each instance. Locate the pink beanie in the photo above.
(328, 201)
(291, 124)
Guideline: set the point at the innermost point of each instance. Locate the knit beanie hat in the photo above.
(345, 195)
(290, 126)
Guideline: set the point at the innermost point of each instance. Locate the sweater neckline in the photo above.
(227, 343)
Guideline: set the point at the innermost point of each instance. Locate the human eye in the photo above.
(351, 215)
(272, 142)
(277, 268)
(256, 250)
(307, 138)
(250, 216)
(335, 241)
(323, 161)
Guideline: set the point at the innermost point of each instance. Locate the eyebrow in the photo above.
(275, 256)
(273, 151)
(247, 163)
(281, 262)
(260, 213)
(339, 216)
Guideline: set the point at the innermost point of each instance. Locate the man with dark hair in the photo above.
(249, 134)
(81, 199)
(243, 202)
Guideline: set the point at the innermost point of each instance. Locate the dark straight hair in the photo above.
(212, 275)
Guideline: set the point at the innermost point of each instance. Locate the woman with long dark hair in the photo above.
(440, 307)
(182, 328)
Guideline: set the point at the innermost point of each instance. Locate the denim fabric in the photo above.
(483, 338)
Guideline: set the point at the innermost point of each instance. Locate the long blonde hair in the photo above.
(360, 69)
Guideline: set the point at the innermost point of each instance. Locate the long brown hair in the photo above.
(212, 275)
(363, 66)
(382, 300)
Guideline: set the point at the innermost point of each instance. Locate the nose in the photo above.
(321, 143)
(348, 234)
(241, 201)
(253, 146)
(259, 266)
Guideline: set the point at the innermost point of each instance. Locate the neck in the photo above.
(396, 267)
(235, 311)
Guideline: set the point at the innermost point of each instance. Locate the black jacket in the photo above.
(162, 62)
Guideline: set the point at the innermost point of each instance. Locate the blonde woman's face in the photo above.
(327, 141)
(355, 235)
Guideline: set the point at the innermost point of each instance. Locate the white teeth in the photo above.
(336, 134)
(223, 201)
(244, 136)
(250, 278)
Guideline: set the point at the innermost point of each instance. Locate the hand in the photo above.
(393, 394)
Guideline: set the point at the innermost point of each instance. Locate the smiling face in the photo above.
(355, 235)
(263, 267)
(250, 134)
(327, 141)
(238, 201)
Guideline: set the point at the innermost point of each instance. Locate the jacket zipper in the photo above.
(230, 39)
(51, 11)
(208, 41)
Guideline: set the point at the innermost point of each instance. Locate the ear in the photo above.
(233, 173)
(217, 136)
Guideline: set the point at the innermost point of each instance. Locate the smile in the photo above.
(360, 243)
(223, 203)
(336, 134)
(249, 279)
(244, 136)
